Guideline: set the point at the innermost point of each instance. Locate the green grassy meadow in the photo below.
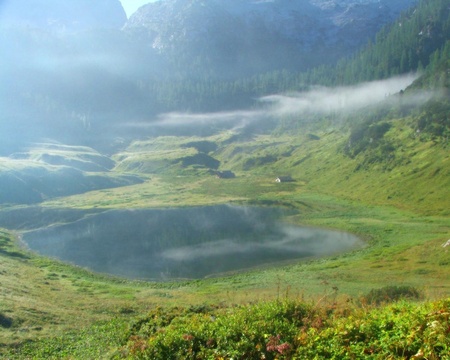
(399, 206)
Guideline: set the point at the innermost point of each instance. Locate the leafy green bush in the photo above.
(399, 331)
(294, 330)
(261, 331)
(266, 330)
(390, 294)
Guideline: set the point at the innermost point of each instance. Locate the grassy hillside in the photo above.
(403, 168)
(49, 170)
(382, 174)
(398, 205)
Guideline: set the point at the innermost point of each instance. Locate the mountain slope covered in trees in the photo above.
(79, 79)
(407, 45)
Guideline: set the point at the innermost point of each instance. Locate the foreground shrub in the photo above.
(399, 331)
(390, 294)
(262, 331)
(293, 330)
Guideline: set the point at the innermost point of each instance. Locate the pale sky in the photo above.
(131, 6)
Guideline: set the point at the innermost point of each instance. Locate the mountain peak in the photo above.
(251, 34)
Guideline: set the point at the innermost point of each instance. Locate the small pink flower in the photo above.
(283, 348)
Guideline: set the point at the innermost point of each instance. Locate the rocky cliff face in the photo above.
(262, 35)
(62, 16)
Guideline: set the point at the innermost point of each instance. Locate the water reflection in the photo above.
(184, 243)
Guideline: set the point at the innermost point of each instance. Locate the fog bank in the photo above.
(317, 101)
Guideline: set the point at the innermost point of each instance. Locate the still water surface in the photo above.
(194, 242)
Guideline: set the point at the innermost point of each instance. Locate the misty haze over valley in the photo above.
(93, 100)
(74, 73)
(80, 81)
(174, 166)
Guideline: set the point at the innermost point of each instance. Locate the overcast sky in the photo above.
(131, 6)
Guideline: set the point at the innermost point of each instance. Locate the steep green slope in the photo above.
(412, 174)
(406, 46)
(402, 47)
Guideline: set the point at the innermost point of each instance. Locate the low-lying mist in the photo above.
(184, 243)
(100, 89)
(304, 105)
(344, 99)
(76, 72)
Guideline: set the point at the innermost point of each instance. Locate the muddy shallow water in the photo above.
(163, 244)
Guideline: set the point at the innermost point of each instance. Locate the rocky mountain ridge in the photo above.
(262, 35)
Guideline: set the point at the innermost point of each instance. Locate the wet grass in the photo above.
(402, 214)
(43, 297)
